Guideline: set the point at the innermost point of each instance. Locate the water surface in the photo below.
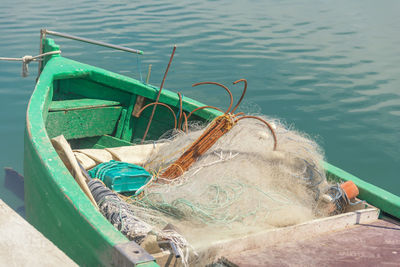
(327, 68)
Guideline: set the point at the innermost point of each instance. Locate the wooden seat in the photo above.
(84, 103)
(78, 118)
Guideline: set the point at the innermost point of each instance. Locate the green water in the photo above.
(328, 68)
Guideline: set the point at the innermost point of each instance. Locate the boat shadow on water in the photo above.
(14, 182)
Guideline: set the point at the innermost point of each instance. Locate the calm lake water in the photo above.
(327, 68)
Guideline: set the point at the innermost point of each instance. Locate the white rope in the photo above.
(28, 59)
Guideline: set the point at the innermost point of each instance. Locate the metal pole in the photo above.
(159, 94)
(42, 36)
(148, 74)
(90, 41)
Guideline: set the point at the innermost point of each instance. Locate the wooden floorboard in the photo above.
(373, 244)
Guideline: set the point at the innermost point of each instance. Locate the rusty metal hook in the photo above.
(265, 122)
(220, 85)
(243, 93)
(203, 107)
(162, 104)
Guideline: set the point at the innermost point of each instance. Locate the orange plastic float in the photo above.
(350, 189)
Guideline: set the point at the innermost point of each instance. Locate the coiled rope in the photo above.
(118, 213)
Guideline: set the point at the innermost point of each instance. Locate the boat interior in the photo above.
(93, 115)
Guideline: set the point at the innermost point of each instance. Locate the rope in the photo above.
(28, 59)
(139, 63)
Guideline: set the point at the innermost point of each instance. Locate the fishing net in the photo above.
(238, 187)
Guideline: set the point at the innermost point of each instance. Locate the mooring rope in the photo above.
(28, 59)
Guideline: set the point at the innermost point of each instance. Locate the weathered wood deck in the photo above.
(371, 244)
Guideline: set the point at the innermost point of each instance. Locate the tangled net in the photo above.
(223, 180)
(239, 186)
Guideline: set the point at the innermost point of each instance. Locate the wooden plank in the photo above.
(90, 89)
(82, 103)
(129, 123)
(65, 153)
(283, 235)
(372, 244)
(121, 124)
(138, 106)
(83, 123)
(296, 232)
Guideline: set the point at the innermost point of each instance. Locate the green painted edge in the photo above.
(374, 195)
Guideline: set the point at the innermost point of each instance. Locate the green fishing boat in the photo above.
(92, 108)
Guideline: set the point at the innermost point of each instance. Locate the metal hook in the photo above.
(220, 85)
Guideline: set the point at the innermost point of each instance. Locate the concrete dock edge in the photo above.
(22, 245)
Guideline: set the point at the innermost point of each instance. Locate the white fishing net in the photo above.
(238, 187)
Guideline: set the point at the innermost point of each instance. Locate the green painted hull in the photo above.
(54, 202)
